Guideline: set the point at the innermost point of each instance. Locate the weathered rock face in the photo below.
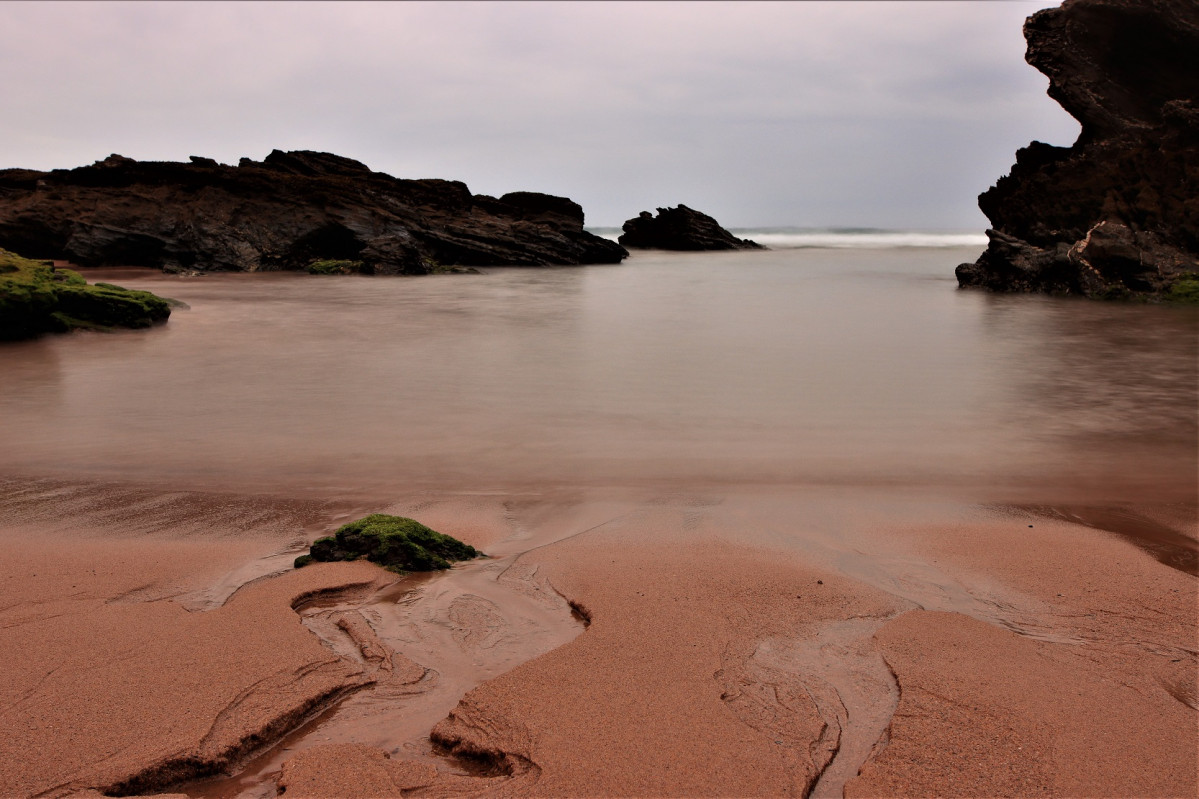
(1116, 214)
(284, 212)
(681, 228)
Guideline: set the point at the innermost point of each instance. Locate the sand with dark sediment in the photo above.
(739, 643)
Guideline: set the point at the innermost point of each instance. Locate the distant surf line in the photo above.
(788, 238)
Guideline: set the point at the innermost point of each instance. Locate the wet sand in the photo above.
(723, 642)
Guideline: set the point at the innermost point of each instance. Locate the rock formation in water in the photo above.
(681, 228)
(1116, 214)
(36, 298)
(286, 212)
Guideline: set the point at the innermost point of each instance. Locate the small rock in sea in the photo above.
(681, 228)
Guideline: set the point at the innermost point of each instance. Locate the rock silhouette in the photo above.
(1115, 215)
(681, 228)
(286, 212)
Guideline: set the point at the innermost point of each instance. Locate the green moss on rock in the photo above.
(335, 267)
(37, 298)
(1184, 291)
(394, 542)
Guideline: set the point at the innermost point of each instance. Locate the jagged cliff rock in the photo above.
(1117, 213)
(681, 228)
(286, 212)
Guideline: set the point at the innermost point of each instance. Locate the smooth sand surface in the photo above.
(738, 644)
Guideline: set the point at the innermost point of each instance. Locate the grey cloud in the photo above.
(887, 114)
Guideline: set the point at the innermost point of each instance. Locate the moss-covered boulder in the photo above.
(37, 298)
(394, 542)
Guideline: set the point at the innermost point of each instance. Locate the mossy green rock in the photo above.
(335, 267)
(37, 298)
(394, 542)
(1184, 291)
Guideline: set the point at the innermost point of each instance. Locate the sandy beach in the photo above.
(985, 652)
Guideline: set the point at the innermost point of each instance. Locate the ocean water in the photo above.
(853, 365)
(787, 238)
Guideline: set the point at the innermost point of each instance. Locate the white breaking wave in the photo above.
(861, 239)
(857, 238)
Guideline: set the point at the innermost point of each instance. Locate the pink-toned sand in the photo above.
(956, 652)
(108, 685)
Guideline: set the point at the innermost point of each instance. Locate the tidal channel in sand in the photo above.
(824, 512)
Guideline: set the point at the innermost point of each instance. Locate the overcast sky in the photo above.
(883, 114)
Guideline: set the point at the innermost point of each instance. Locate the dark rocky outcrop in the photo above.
(1116, 214)
(37, 298)
(681, 228)
(285, 212)
(394, 542)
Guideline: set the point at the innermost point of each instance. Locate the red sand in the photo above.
(107, 680)
(1104, 706)
(721, 659)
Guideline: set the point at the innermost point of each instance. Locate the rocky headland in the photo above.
(1116, 215)
(290, 211)
(680, 228)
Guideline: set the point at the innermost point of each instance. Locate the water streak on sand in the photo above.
(426, 640)
(852, 686)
